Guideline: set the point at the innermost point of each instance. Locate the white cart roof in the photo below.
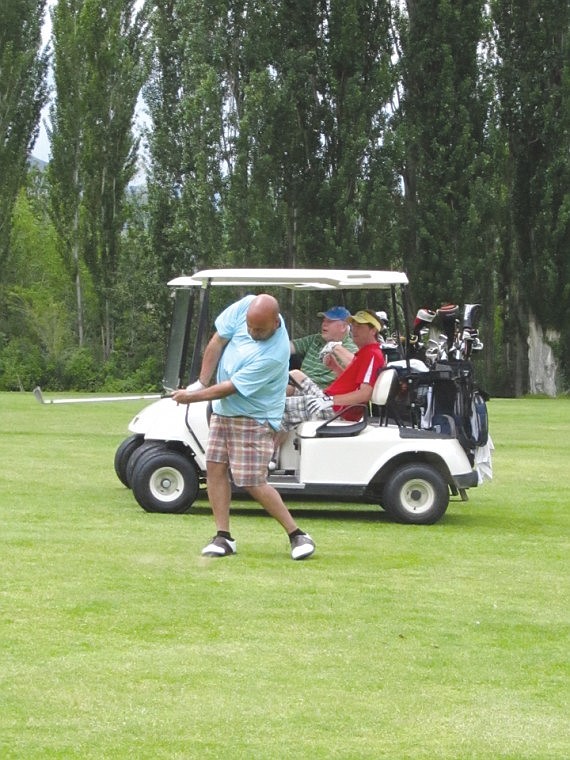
(295, 279)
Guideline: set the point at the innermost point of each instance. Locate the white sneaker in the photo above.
(302, 546)
(219, 547)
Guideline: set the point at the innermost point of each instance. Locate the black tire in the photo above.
(416, 494)
(165, 481)
(144, 448)
(123, 454)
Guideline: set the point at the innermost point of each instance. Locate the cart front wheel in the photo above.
(165, 481)
(123, 454)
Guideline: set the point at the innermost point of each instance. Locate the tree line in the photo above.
(426, 136)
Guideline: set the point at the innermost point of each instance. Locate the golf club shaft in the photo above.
(39, 396)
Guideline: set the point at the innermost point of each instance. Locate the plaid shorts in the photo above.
(296, 405)
(244, 444)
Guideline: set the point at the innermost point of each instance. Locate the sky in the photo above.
(41, 148)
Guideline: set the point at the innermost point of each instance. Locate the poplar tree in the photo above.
(101, 56)
(166, 175)
(23, 93)
(533, 85)
(115, 36)
(66, 140)
(357, 80)
(185, 98)
(442, 127)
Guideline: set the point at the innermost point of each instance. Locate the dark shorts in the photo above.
(246, 445)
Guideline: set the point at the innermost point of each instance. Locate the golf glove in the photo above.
(316, 404)
(329, 348)
(195, 386)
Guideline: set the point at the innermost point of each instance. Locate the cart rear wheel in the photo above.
(416, 494)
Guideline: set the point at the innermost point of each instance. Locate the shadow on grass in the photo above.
(324, 513)
(339, 511)
(335, 511)
(324, 509)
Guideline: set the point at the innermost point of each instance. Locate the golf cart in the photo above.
(418, 442)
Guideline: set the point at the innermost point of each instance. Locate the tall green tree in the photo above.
(23, 92)
(443, 117)
(166, 172)
(357, 81)
(93, 116)
(533, 85)
(66, 138)
(368, 133)
(116, 52)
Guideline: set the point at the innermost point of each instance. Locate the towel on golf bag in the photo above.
(483, 461)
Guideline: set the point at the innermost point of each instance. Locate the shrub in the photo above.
(82, 371)
(21, 365)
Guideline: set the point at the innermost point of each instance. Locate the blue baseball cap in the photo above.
(335, 312)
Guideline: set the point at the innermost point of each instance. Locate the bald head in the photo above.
(262, 317)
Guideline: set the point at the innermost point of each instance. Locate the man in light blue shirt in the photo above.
(250, 350)
(257, 367)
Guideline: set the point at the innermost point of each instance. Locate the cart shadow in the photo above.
(328, 511)
(324, 509)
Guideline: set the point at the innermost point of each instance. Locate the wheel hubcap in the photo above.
(166, 484)
(418, 496)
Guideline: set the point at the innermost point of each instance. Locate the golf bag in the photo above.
(447, 400)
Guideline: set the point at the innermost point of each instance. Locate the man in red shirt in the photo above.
(353, 385)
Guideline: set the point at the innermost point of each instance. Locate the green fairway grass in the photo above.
(117, 640)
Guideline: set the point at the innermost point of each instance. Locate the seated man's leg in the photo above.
(294, 386)
(296, 406)
(295, 412)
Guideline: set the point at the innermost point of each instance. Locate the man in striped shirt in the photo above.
(334, 329)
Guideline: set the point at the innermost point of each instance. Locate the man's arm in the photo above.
(210, 361)
(360, 396)
(211, 357)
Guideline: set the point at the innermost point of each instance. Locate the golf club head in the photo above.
(477, 344)
(471, 314)
(458, 351)
(38, 395)
(425, 315)
(433, 349)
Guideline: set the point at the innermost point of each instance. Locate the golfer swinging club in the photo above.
(250, 350)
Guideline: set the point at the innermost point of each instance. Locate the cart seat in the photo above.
(385, 387)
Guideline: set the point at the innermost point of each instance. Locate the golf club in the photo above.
(40, 398)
